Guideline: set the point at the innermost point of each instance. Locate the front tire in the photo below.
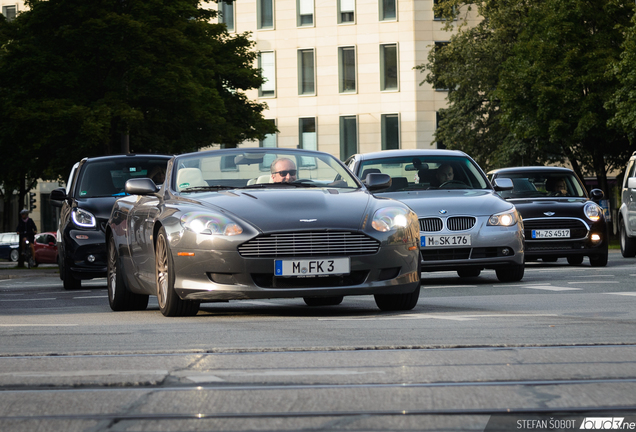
(119, 297)
(70, 283)
(575, 259)
(598, 260)
(628, 244)
(512, 273)
(323, 301)
(397, 302)
(170, 304)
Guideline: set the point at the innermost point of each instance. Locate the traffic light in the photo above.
(32, 205)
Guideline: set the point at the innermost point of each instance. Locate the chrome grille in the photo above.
(309, 244)
(460, 223)
(431, 224)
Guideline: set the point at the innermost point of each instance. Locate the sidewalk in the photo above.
(10, 271)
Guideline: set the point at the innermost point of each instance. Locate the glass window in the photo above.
(307, 133)
(267, 64)
(388, 67)
(265, 14)
(347, 69)
(390, 131)
(305, 10)
(388, 10)
(9, 12)
(346, 11)
(226, 14)
(306, 72)
(348, 136)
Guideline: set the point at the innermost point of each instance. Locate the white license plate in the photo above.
(312, 267)
(445, 240)
(551, 233)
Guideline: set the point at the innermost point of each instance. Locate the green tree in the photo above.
(539, 68)
(77, 77)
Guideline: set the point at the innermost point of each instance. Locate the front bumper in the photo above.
(581, 245)
(85, 251)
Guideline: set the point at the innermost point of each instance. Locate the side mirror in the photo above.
(57, 197)
(376, 181)
(140, 186)
(502, 184)
(596, 194)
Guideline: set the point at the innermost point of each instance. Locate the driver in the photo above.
(444, 173)
(283, 170)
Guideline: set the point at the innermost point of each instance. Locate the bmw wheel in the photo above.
(512, 273)
(169, 302)
(119, 297)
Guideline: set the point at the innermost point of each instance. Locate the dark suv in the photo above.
(93, 187)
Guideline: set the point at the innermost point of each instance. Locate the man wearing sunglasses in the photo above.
(283, 170)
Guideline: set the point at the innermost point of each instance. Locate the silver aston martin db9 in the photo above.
(255, 223)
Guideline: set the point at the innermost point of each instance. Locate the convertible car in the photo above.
(258, 223)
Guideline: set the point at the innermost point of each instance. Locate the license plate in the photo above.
(550, 233)
(445, 240)
(312, 267)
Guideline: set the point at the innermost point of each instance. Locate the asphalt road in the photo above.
(474, 354)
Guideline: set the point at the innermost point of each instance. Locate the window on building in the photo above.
(307, 139)
(388, 10)
(267, 64)
(438, 119)
(347, 69)
(270, 141)
(388, 67)
(265, 14)
(348, 136)
(390, 131)
(305, 10)
(306, 72)
(9, 12)
(346, 11)
(439, 85)
(226, 14)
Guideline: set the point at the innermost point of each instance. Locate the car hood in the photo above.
(99, 207)
(454, 201)
(292, 209)
(561, 207)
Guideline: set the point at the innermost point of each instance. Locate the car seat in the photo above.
(190, 177)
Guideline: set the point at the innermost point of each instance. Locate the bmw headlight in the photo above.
(390, 218)
(593, 211)
(83, 218)
(210, 223)
(505, 219)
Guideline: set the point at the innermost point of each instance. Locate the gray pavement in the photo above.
(10, 270)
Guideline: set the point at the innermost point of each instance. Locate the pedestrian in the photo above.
(26, 231)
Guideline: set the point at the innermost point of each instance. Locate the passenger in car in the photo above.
(555, 186)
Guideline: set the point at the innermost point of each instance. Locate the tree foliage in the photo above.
(529, 83)
(77, 76)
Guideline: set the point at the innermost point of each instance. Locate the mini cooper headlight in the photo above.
(390, 218)
(593, 211)
(210, 223)
(83, 218)
(506, 219)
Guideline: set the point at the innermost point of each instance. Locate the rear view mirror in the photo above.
(375, 181)
(502, 184)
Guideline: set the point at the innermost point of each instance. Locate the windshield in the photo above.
(536, 184)
(427, 172)
(258, 168)
(107, 177)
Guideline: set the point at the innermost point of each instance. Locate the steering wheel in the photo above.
(453, 182)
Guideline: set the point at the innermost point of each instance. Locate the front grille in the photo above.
(431, 224)
(321, 243)
(460, 223)
(578, 229)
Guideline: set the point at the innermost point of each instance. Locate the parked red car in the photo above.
(46, 248)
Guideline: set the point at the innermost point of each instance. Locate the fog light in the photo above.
(505, 251)
(595, 237)
(90, 258)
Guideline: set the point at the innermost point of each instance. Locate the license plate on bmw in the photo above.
(312, 267)
(550, 233)
(445, 240)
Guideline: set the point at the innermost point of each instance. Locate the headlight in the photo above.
(83, 219)
(390, 218)
(506, 219)
(210, 223)
(593, 211)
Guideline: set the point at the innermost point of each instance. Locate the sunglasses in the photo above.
(284, 173)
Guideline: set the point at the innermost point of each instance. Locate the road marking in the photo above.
(624, 293)
(440, 317)
(549, 288)
(449, 286)
(595, 282)
(76, 373)
(38, 325)
(216, 376)
(89, 297)
(19, 300)
(259, 303)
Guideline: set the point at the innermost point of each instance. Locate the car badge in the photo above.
(442, 211)
(308, 220)
(549, 213)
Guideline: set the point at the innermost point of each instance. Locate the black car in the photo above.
(93, 187)
(560, 219)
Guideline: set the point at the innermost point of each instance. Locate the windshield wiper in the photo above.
(207, 188)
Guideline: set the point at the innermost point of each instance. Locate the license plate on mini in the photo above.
(312, 267)
(445, 240)
(550, 233)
